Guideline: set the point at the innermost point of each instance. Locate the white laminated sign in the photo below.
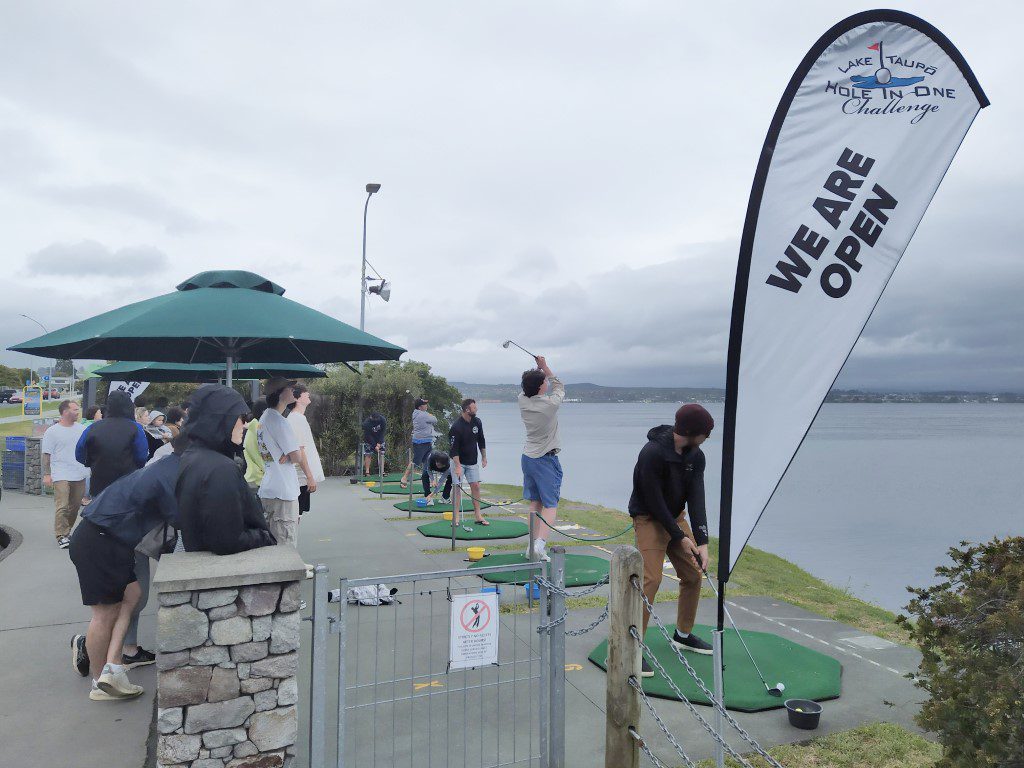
(474, 633)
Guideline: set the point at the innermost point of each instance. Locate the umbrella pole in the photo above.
(228, 378)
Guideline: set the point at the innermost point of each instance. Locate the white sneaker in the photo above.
(540, 550)
(117, 684)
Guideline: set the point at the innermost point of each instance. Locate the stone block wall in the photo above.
(227, 660)
(34, 465)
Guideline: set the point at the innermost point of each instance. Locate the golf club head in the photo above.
(505, 344)
(777, 690)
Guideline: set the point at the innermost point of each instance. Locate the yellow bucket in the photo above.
(476, 553)
(371, 484)
(446, 515)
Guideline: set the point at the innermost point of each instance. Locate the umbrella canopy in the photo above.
(214, 317)
(200, 372)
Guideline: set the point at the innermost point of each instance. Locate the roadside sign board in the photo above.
(46, 378)
(32, 401)
(474, 630)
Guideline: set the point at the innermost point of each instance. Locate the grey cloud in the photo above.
(130, 201)
(91, 258)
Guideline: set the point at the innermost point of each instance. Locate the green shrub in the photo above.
(970, 628)
(388, 388)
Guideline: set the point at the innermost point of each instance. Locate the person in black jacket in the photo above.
(375, 427)
(217, 510)
(114, 446)
(668, 482)
(437, 469)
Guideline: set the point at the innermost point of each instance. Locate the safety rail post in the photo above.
(318, 668)
(622, 701)
(556, 656)
(342, 632)
(412, 471)
(456, 505)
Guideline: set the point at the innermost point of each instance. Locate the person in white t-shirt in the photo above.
(300, 425)
(62, 471)
(281, 452)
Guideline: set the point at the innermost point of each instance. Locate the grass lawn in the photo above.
(758, 573)
(879, 745)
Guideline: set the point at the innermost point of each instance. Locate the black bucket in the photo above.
(803, 713)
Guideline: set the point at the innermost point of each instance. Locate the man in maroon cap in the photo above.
(668, 483)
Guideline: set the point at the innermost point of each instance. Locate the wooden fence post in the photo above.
(625, 610)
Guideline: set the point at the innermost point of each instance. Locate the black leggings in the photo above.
(426, 484)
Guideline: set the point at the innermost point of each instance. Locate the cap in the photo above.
(693, 419)
(276, 384)
(419, 402)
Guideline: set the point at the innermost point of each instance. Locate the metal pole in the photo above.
(229, 372)
(342, 676)
(318, 669)
(362, 327)
(556, 646)
(622, 701)
(456, 505)
(544, 616)
(716, 642)
(411, 480)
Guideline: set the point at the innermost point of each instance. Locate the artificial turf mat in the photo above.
(806, 673)
(498, 529)
(390, 477)
(439, 506)
(396, 488)
(580, 570)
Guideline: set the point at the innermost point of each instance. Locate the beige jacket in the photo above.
(540, 417)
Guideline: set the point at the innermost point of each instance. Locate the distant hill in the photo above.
(595, 393)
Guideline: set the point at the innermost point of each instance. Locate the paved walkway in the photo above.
(46, 718)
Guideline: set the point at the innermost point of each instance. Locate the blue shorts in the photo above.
(542, 479)
(420, 452)
(471, 473)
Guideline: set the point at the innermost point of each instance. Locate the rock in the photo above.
(265, 700)
(291, 597)
(227, 665)
(222, 714)
(256, 684)
(269, 760)
(183, 686)
(249, 651)
(209, 762)
(180, 627)
(168, 719)
(288, 692)
(285, 665)
(174, 598)
(243, 671)
(274, 729)
(261, 627)
(284, 636)
(222, 612)
(231, 631)
(223, 686)
(177, 748)
(171, 660)
(246, 749)
(226, 737)
(258, 599)
(210, 655)
(219, 752)
(213, 598)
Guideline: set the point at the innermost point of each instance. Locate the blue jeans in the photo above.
(542, 479)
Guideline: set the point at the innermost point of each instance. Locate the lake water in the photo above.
(875, 497)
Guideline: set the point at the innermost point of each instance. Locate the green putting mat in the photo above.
(580, 570)
(439, 506)
(390, 477)
(806, 674)
(498, 529)
(396, 488)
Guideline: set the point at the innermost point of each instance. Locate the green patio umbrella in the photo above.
(201, 372)
(214, 317)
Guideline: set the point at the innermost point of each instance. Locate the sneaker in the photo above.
(117, 683)
(540, 550)
(691, 643)
(140, 658)
(645, 668)
(63, 542)
(98, 694)
(79, 655)
(430, 502)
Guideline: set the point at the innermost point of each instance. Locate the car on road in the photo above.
(15, 398)
(6, 393)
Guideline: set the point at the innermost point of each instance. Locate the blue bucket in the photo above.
(421, 502)
(532, 590)
(495, 590)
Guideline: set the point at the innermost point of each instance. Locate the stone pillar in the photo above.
(227, 658)
(34, 465)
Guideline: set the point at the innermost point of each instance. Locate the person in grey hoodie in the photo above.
(423, 423)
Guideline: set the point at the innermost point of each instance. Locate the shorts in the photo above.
(420, 452)
(542, 479)
(370, 450)
(471, 473)
(303, 499)
(105, 565)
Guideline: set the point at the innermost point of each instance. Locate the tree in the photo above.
(970, 628)
(13, 377)
(388, 388)
(63, 368)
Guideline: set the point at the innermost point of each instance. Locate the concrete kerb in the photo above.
(10, 540)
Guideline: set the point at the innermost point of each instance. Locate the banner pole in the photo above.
(716, 641)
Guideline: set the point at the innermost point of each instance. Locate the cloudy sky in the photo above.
(573, 175)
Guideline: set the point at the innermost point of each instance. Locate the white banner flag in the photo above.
(131, 388)
(864, 133)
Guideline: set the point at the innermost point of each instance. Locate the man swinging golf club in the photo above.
(668, 483)
(539, 402)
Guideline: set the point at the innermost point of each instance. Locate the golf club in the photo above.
(779, 687)
(505, 344)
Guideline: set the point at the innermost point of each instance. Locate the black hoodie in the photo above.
(217, 511)
(115, 445)
(665, 481)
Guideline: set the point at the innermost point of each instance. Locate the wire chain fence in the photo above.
(646, 750)
(564, 592)
(700, 684)
(661, 723)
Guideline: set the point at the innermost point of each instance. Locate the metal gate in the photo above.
(395, 702)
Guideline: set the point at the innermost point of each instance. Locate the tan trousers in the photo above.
(67, 496)
(283, 520)
(653, 542)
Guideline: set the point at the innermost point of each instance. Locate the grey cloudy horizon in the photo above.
(573, 176)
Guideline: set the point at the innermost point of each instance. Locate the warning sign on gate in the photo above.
(474, 637)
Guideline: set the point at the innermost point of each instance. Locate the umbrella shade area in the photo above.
(202, 372)
(210, 317)
(468, 530)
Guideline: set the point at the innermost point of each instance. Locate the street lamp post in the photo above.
(371, 189)
(50, 382)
